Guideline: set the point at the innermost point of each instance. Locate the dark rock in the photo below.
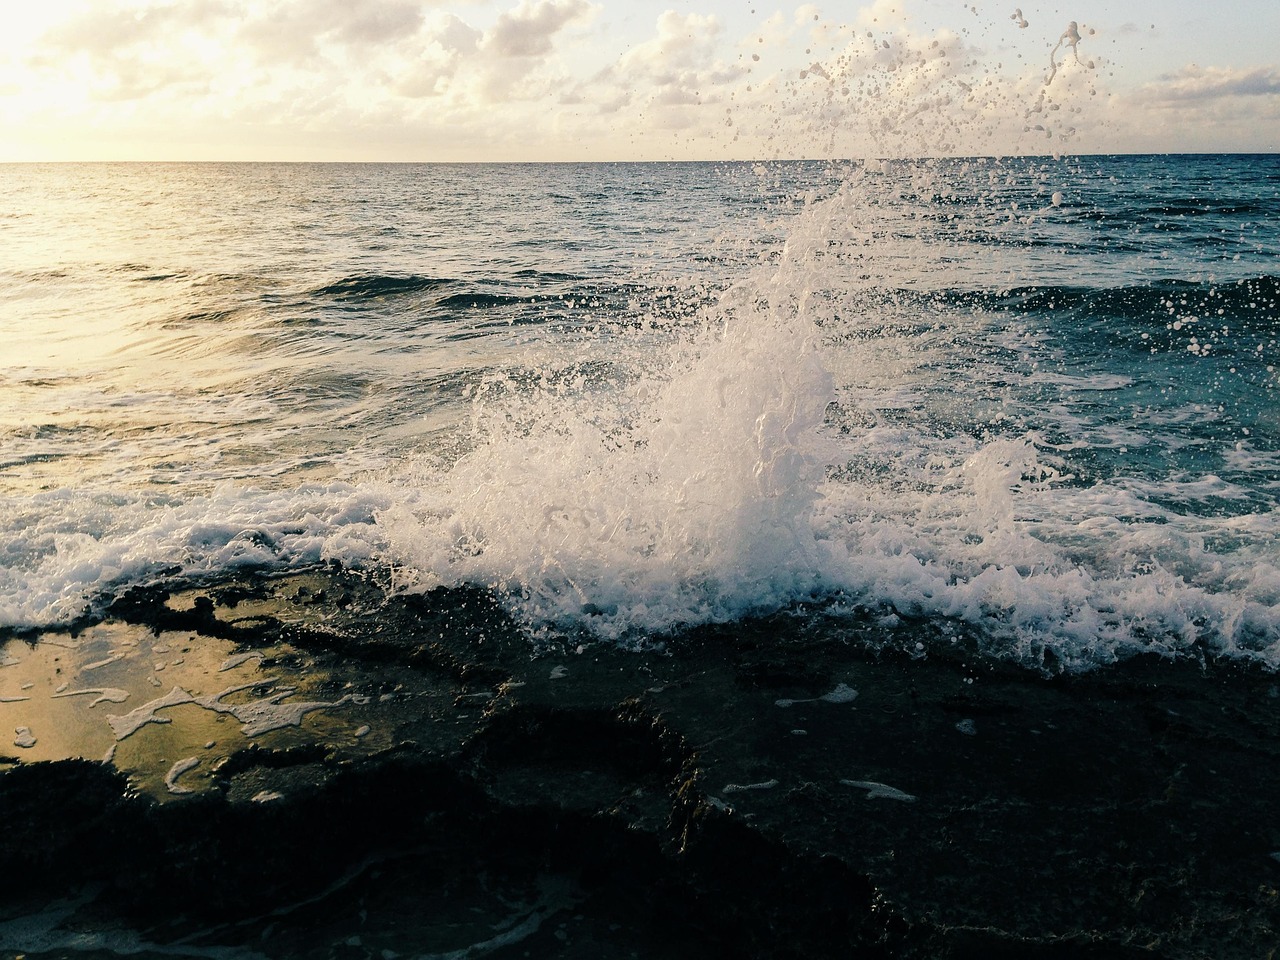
(765, 789)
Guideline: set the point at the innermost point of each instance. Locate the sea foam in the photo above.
(70, 548)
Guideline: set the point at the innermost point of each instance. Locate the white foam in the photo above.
(257, 717)
(263, 716)
(627, 483)
(1071, 39)
(681, 498)
(73, 544)
(105, 662)
(237, 659)
(880, 791)
(746, 787)
(100, 694)
(842, 693)
(58, 929)
(133, 721)
(24, 738)
(177, 770)
(520, 929)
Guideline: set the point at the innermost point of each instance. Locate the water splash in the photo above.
(775, 449)
(678, 492)
(1071, 38)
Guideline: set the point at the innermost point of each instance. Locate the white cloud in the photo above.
(881, 15)
(529, 30)
(427, 70)
(188, 49)
(681, 47)
(299, 30)
(371, 23)
(104, 29)
(885, 88)
(517, 55)
(454, 35)
(1202, 109)
(117, 54)
(671, 81)
(1212, 83)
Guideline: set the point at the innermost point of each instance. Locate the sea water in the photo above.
(1037, 396)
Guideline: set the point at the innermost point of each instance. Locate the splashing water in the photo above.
(750, 459)
(681, 496)
(1070, 37)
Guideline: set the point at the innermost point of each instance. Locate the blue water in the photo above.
(1037, 397)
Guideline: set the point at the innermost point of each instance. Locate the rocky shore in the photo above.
(413, 777)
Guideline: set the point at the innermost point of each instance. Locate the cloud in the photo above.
(1201, 109)
(887, 88)
(297, 31)
(371, 23)
(121, 54)
(103, 30)
(528, 30)
(674, 76)
(683, 44)
(428, 70)
(517, 56)
(455, 35)
(276, 33)
(1213, 83)
(881, 15)
(562, 78)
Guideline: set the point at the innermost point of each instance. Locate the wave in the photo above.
(1261, 293)
(373, 286)
(476, 300)
(376, 286)
(1253, 303)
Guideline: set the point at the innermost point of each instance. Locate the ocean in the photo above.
(786, 559)
(1034, 396)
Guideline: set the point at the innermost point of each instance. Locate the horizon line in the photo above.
(1060, 155)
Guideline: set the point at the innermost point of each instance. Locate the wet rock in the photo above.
(763, 789)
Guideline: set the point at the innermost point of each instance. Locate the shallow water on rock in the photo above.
(167, 707)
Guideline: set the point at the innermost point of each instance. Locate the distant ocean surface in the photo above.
(1035, 398)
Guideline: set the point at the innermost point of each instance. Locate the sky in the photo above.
(490, 80)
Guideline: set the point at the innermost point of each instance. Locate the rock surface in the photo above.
(773, 788)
